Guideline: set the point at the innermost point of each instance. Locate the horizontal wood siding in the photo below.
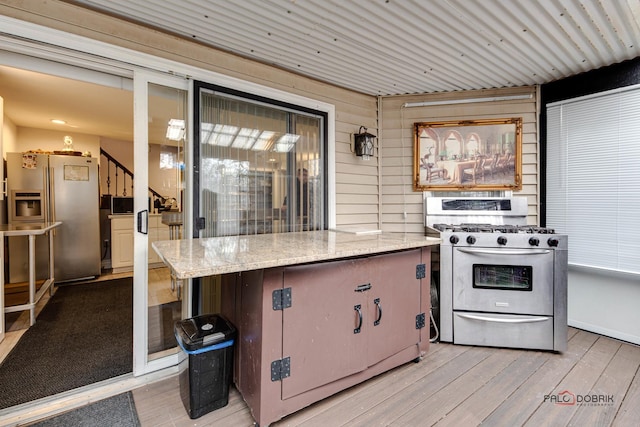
(402, 208)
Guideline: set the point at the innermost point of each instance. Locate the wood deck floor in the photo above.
(457, 386)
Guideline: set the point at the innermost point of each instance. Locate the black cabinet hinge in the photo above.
(420, 321)
(421, 271)
(281, 298)
(280, 369)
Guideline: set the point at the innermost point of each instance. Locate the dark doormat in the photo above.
(116, 411)
(82, 336)
(161, 320)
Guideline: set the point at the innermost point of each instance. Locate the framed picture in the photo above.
(468, 155)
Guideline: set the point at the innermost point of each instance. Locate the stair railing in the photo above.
(126, 173)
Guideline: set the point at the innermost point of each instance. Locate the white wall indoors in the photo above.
(9, 135)
(164, 181)
(21, 139)
(123, 152)
(49, 140)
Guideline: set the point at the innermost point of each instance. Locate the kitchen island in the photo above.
(317, 311)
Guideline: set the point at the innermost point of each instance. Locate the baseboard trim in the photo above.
(633, 339)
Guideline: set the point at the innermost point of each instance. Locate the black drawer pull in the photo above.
(362, 288)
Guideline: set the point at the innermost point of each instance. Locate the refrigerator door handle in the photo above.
(143, 218)
(51, 216)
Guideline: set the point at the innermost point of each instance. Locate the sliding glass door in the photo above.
(160, 132)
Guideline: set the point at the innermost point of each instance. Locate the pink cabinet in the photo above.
(309, 331)
(319, 335)
(399, 294)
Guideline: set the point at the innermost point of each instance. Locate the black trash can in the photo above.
(209, 342)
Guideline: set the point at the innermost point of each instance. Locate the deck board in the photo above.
(414, 395)
(453, 386)
(518, 407)
(579, 380)
(614, 381)
(437, 407)
(369, 396)
(629, 411)
(486, 399)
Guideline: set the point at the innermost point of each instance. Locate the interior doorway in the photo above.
(98, 112)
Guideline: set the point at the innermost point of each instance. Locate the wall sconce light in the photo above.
(363, 143)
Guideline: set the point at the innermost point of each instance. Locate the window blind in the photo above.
(593, 178)
(260, 167)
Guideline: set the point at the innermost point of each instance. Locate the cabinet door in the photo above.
(318, 328)
(122, 248)
(161, 232)
(122, 241)
(393, 300)
(152, 233)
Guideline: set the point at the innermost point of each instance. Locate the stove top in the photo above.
(493, 228)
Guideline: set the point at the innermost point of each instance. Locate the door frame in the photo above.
(80, 52)
(141, 81)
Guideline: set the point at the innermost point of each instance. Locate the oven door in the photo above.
(503, 280)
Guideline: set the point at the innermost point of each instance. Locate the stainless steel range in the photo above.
(502, 283)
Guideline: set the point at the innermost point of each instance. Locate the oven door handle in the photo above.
(504, 251)
(503, 320)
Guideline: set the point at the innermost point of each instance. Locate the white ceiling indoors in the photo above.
(377, 47)
(32, 99)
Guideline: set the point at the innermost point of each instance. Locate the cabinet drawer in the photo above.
(124, 222)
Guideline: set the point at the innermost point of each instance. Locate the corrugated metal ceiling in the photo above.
(387, 47)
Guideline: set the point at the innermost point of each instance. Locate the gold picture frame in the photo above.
(468, 155)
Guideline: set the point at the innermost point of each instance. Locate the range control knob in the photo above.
(552, 242)
(534, 241)
(454, 240)
(502, 240)
(471, 240)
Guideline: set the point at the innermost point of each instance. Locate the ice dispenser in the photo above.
(27, 206)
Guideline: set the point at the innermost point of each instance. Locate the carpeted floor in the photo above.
(82, 336)
(116, 411)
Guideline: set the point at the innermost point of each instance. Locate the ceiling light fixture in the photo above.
(286, 142)
(264, 141)
(466, 100)
(175, 130)
(58, 122)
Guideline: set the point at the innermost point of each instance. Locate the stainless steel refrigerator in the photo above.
(41, 188)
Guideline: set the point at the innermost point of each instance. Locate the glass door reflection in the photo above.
(167, 108)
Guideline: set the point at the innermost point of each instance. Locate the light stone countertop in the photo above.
(219, 255)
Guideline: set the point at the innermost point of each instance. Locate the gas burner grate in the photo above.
(532, 229)
(489, 228)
